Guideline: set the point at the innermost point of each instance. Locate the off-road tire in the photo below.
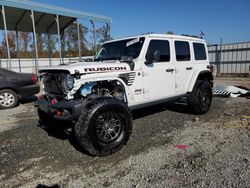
(200, 99)
(13, 99)
(100, 115)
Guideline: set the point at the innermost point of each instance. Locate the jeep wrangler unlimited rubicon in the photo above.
(125, 74)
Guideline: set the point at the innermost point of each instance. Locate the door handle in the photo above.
(170, 70)
(189, 68)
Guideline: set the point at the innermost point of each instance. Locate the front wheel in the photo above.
(104, 126)
(200, 99)
(8, 99)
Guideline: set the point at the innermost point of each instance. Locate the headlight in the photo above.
(70, 82)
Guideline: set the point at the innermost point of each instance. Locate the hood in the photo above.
(90, 67)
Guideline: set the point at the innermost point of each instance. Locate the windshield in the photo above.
(115, 50)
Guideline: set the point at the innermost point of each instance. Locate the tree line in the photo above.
(48, 44)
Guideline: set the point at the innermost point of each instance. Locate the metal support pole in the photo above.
(18, 51)
(235, 68)
(247, 46)
(59, 38)
(94, 33)
(63, 46)
(6, 38)
(109, 25)
(220, 54)
(35, 41)
(241, 58)
(79, 41)
(49, 48)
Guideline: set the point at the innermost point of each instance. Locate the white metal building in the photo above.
(231, 58)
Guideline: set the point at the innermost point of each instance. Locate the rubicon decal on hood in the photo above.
(92, 67)
(105, 69)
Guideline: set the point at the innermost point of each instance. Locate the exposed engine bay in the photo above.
(101, 88)
(58, 85)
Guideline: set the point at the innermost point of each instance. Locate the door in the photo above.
(183, 66)
(158, 71)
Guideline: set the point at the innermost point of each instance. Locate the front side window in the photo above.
(158, 51)
(199, 51)
(182, 51)
(118, 49)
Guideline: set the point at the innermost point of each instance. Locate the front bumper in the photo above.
(61, 110)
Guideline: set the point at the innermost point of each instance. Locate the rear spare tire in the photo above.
(104, 126)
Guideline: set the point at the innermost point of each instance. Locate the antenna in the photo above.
(202, 34)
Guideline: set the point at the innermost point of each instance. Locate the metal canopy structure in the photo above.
(29, 16)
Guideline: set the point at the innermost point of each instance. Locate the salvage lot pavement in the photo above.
(169, 147)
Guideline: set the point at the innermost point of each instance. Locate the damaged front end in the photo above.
(56, 86)
(64, 94)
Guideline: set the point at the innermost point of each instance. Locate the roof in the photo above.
(180, 37)
(187, 37)
(18, 16)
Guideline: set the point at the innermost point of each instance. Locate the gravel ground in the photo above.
(9, 118)
(169, 147)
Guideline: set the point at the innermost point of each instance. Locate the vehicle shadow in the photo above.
(62, 131)
(57, 129)
(179, 106)
(45, 186)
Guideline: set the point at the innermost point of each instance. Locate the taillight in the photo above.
(34, 79)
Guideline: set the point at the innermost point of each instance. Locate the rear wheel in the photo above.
(200, 99)
(104, 126)
(8, 99)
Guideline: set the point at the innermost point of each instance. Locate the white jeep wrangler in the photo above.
(125, 74)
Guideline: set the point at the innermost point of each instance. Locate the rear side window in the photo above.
(182, 51)
(199, 51)
(161, 47)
